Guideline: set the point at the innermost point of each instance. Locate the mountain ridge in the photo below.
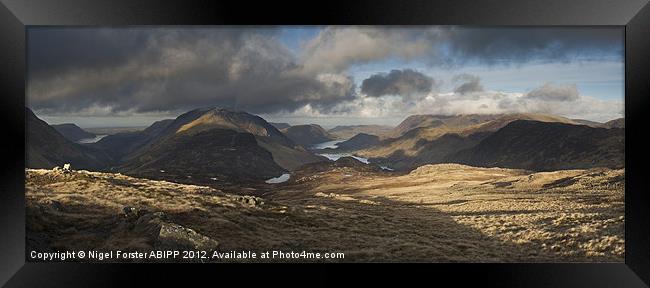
(47, 148)
(552, 146)
(193, 128)
(72, 132)
(349, 131)
(308, 134)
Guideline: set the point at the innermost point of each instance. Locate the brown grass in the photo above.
(437, 213)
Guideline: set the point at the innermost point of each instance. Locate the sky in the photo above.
(328, 75)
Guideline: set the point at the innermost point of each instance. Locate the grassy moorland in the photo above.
(436, 213)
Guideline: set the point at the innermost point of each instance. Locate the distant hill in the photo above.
(616, 123)
(204, 155)
(348, 131)
(280, 126)
(431, 145)
(210, 118)
(199, 138)
(414, 141)
(307, 135)
(285, 151)
(234, 145)
(430, 151)
(433, 121)
(113, 130)
(587, 122)
(47, 148)
(547, 146)
(72, 132)
(122, 144)
(358, 142)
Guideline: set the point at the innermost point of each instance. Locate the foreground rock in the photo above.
(171, 236)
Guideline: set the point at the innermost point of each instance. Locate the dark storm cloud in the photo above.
(336, 48)
(109, 71)
(54, 50)
(112, 71)
(467, 83)
(522, 44)
(397, 82)
(551, 92)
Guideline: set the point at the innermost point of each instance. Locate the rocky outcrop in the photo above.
(164, 234)
(250, 200)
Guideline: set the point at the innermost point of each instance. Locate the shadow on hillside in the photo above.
(395, 231)
(365, 229)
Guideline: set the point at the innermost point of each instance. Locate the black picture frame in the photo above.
(634, 15)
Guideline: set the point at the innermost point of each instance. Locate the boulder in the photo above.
(54, 205)
(130, 212)
(250, 200)
(166, 235)
(174, 236)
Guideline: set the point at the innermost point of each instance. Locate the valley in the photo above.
(372, 143)
(464, 188)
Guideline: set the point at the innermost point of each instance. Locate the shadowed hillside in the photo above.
(445, 136)
(122, 144)
(72, 132)
(544, 146)
(307, 135)
(616, 123)
(280, 126)
(47, 148)
(139, 145)
(205, 156)
(348, 131)
(213, 144)
(433, 121)
(358, 142)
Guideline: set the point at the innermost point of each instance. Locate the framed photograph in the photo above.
(499, 139)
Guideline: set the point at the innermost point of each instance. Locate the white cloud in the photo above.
(486, 102)
(336, 49)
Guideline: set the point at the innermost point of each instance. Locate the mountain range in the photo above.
(433, 121)
(552, 146)
(214, 144)
(440, 139)
(255, 148)
(202, 144)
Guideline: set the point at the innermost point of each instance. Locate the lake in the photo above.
(326, 145)
(282, 178)
(91, 140)
(337, 156)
